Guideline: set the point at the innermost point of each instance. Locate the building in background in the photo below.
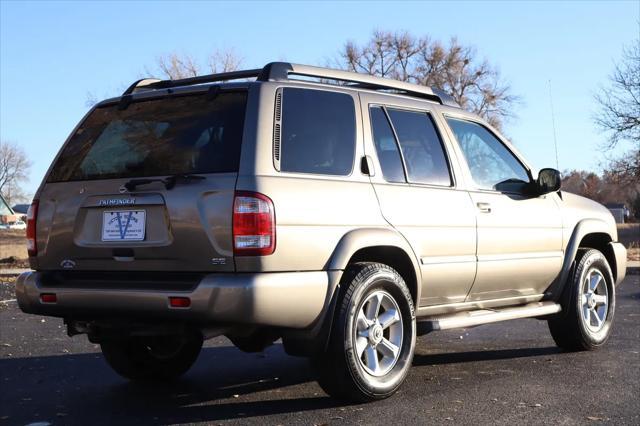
(7, 215)
(21, 210)
(619, 211)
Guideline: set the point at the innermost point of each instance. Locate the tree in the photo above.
(14, 170)
(175, 66)
(619, 113)
(612, 186)
(452, 67)
(586, 184)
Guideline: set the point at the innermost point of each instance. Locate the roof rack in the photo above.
(280, 71)
(154, 83)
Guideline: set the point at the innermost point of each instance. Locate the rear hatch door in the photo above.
(145, 187)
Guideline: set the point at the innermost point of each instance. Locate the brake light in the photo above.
(254, 224)
(179, 302)
(48, 298)
(32, 217)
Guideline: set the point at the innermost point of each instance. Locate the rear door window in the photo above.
(318, 132)
(421, 147)
(386, 146)
(174, 135)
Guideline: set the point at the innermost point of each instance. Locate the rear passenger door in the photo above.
(308, 144)
(415, 181)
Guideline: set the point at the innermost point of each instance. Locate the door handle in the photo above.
(484, 207)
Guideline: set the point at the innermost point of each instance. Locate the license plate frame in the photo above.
(124, 225)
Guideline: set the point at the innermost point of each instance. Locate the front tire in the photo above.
(373, 336)
(588, 305)
(151, 358)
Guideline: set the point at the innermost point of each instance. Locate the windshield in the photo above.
(174, 135)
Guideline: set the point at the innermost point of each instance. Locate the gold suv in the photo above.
(345, 214)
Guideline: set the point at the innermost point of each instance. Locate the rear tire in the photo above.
(373, 336)
(588, 305)
(152, 357)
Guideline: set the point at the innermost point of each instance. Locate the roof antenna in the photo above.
(553, 124)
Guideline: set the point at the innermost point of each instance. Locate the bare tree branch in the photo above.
(14, 171)
(176, 66)
(224, 61)
(475, 85)
(619, 113)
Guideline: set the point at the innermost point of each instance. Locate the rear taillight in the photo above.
(179, 302)
(32, 217)
(254, 224)
(48, 298)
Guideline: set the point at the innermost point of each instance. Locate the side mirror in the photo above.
(549, 180)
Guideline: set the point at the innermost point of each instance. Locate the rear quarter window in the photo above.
(174, 135)
(318, 132)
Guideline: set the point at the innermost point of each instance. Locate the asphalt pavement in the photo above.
(507, 373)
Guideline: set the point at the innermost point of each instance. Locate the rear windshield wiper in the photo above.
(168, 182)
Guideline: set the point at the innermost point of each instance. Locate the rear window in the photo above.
(318, 132)
(176, 135)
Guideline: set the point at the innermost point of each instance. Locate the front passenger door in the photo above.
(519, 249)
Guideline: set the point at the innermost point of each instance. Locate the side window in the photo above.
(318, 132)
(491, 164)
(421, 147)
(386, 146)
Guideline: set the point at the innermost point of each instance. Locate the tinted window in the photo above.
(491, 164)
(188, 134)
(421, 147)
(386, 146)
(318, 132)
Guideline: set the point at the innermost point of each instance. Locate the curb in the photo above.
(12, 272)
(633, 270)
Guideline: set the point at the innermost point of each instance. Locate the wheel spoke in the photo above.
(361, 345)
(374, 307)
(371, 358)
(600, 299)
(586, 314)
(585, 300)
(597, 319)
(363, 323)
(594, 281)
(389, 317)
(587, 283)
(388, 349)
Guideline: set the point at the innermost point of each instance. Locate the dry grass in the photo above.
(629, 234)
(13, 243)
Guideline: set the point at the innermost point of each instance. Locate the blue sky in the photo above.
(52, 54)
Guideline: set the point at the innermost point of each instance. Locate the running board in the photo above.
(486, 316)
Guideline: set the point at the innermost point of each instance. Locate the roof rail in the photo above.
(154, 83)
(280, 71)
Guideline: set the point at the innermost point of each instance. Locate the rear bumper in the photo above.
(620, 254)
(281, 299)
